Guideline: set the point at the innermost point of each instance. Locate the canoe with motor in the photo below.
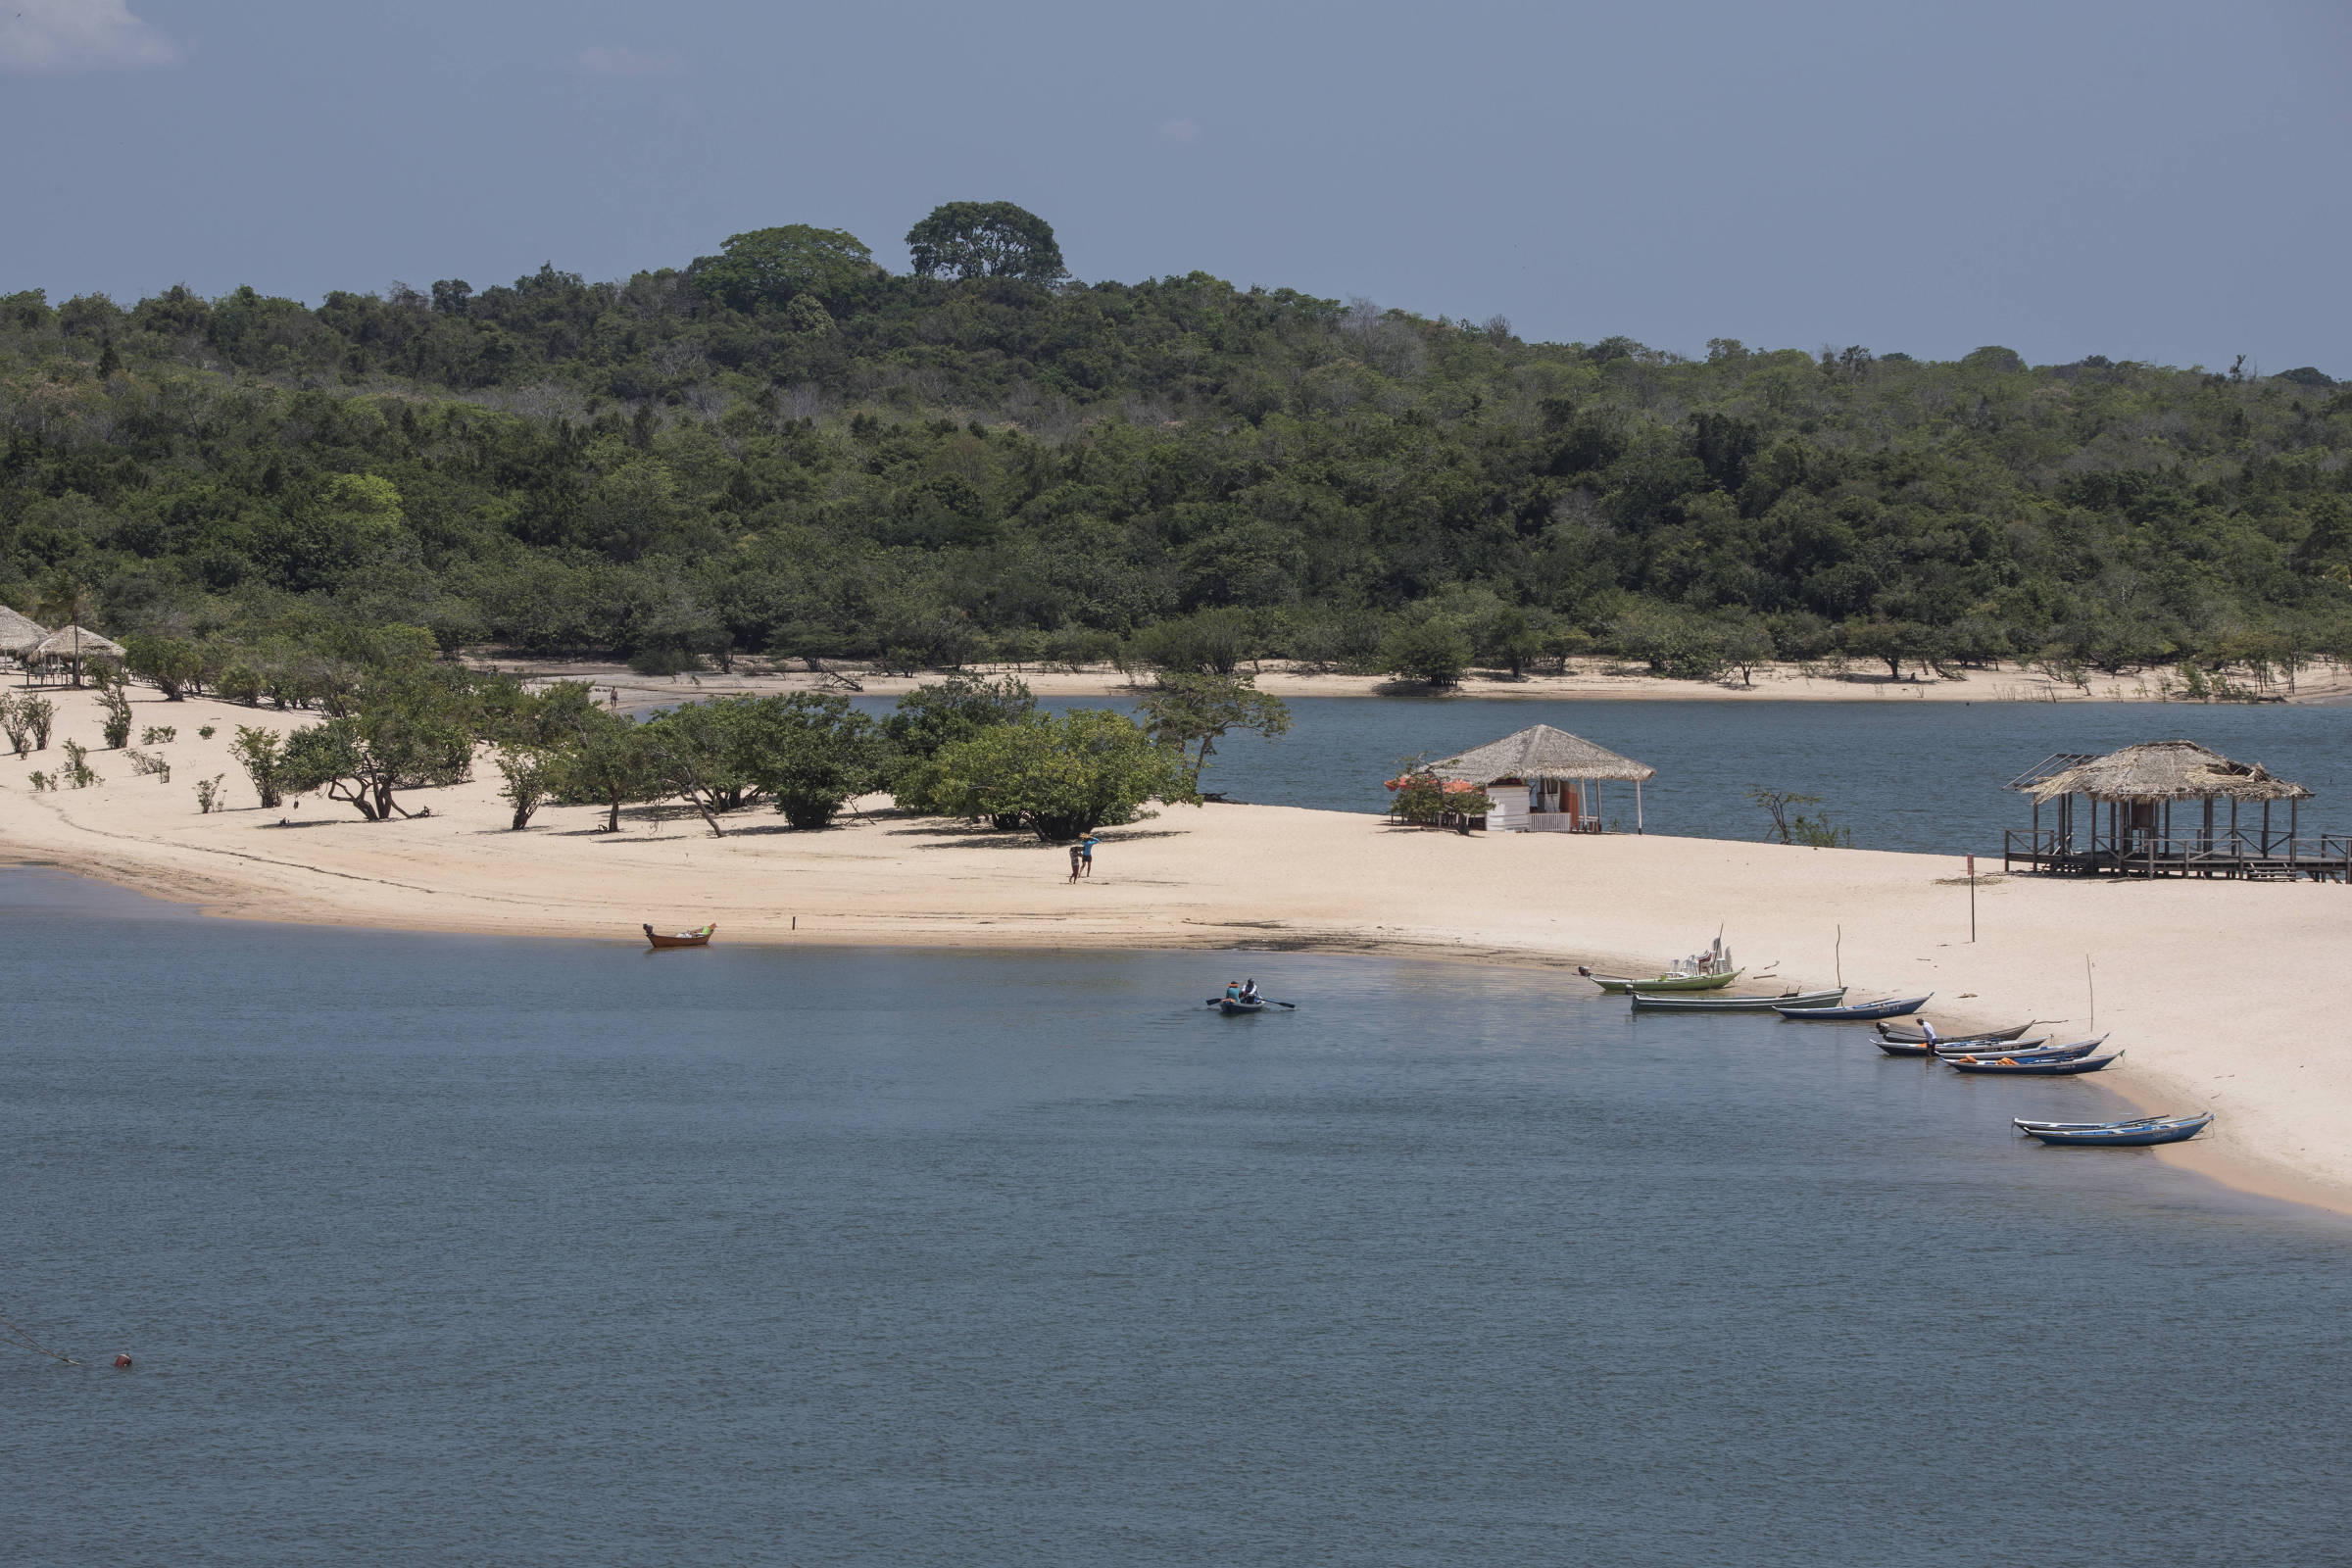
(2031, 1068)
(1862, 1013)
(1904, 1034)
(2142, 1133)
(1619, 985)
(1647, 1001)
(1966, 1045)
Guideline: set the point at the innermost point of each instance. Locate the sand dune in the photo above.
(2221, 992)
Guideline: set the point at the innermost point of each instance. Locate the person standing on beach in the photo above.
(1086, 853)
(1077, 859)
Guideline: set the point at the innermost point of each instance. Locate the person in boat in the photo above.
(1249, 989)
(1233, 991)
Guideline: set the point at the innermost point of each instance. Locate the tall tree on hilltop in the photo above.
(986, 240)
(775, 266)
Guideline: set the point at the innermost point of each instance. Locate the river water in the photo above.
(441, 1250)
(1910, 776)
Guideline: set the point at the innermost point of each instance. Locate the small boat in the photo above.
(2065, 1052)
(1905, 1034)
(1863, 1014)
(698, 937)
(1710, 970)
(2136, 1134)
(1968, 1045)
(2027, 1067)
(1647, 1001)
(1229, 1005)
(1621, 984)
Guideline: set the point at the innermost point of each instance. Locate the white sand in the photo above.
(2223, 993)
(1585, 681)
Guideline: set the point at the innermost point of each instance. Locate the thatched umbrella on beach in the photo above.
(70, 645)
(1545, 759)
(2140, 782)
(18, 635)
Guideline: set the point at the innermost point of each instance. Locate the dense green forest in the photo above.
(783, 449)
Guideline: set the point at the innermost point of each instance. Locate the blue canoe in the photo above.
(2065, 1052)
(2140, 1134)
(2027, 1066)
(1861, 1015)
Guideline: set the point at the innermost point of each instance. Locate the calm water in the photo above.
(1902, 775)
(457, 1250)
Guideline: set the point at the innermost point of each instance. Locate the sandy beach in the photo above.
(1586, 680)
(2195, 979)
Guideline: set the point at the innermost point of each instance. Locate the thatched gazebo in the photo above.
(1553, 768)
(18, 635)
(2139, 786)
(70, 645)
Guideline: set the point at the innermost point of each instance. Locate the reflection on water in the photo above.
(452, 1249)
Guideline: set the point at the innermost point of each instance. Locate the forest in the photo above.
(783, 449)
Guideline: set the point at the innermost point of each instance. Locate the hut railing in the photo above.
(2242, 852)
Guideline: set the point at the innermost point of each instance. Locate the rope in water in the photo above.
(12, 1334)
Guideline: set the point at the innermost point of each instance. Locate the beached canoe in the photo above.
(2141, 1133)
(700, 938)
(1617, 985)
(1229, 1007)
(2065, 1052)
(1708, 1001)
(1907, 1034)
(1966, 1044)
(2028, 1067)
(1865, 1012)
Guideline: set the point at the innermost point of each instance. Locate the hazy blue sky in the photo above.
(2141, 178)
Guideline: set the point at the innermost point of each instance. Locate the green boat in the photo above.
(1620, 983)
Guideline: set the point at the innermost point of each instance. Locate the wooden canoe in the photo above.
(1797, 1013)
(1970, 1044)
(1647, 1001)
(2028, 1067)
(1619, 985)
(698, 937)
(1904, 1034)
(2138, 1134)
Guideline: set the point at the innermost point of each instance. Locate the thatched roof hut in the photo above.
(2138, 786)
(2168, 770)
(1554, 766)
(77, 641)
(18, 635)
(1542, 752)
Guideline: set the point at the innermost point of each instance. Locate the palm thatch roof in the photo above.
(2168, 770)
(18, 635)
(1542, 752)
(75, 642)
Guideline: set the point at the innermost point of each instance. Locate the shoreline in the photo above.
(2187, 973)
(1586, 680)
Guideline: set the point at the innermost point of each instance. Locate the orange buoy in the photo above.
(122, 1360)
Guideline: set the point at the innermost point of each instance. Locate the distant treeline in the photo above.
(783, 449)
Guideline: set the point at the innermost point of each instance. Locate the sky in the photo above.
(2148, 179)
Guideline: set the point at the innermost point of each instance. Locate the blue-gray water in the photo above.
(1902, 774)
(437, 1249)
